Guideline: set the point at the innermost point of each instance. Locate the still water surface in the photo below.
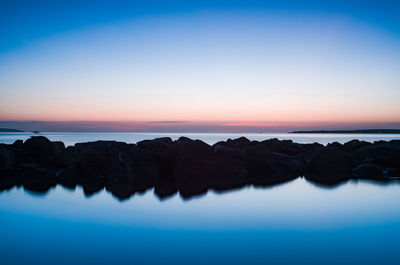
(296, 222)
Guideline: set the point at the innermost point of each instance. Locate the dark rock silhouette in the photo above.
(330, 165)
(190, 167)
(368, 171)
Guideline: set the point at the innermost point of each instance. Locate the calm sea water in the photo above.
(297, 222)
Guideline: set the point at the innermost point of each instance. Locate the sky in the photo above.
(199, 65)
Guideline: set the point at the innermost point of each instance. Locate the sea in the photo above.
(298, 222)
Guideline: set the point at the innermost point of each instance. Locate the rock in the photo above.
(383, 154)
(335, 145)
(394, 143)
(18, 144)
(104, 146)
(391, 173)
(274, 145)
(40, 149)
(66, 157)
(94, 146)
(269, 168)
(198, 168)
(191, 167)
(228, 150)
(7, 161)
(330, 166)
(68, 177)
(164, 150)
(94, 165)
(120, 177)
(120, 169)
(35, 177)
(240, 142)
(354, 145)
(92, 169)
(368, 171)
(309, 152)
(145, 168)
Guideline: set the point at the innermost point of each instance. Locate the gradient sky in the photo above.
(230, 63)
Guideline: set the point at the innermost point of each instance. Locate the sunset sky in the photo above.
(203, 65)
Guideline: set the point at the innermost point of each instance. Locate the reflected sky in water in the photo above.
(357, 222)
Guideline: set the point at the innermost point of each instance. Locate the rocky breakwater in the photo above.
(190, 167)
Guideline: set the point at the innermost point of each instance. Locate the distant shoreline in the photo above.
(366, 131)
(9, 130)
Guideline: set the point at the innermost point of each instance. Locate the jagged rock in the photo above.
(354, 145)
(94, 164)
(198, 168)
(335, 145)
(120, 169)
(35, 177)
(164, 150)
(330, 166)
(40, 149)
(145, 168)
(240, 142)
(7, 161)
(280, 146)
(391, 173)
(19, 144)
(66, 156)
(368, 171)
(68, 177)
(191, 167)
(268, 168)
(381, 153)
(228, 150)
(94, 146)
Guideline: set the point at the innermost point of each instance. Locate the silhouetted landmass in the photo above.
(9, 130)
(387, 131)
(190, 167)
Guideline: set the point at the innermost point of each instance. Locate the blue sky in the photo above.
(26, 21)
(215, 63)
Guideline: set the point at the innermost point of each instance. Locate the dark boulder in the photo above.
(368, 171)
(104, 146)
(68, 177)
(159, 155)
(330, 166)
(191, 167)
(228, 150)
(268, 168)
(7, 161)
(164, 150)
(391, 173)
(94, 165)
(383, 154)
(309, 152)
(18, 144)
(40, 149)
(120, 169)
(335, 145)
(35, 177)
(120, 177)
(198, 168)
(66, 156)
(279, 146)
(7, 165)
(240, 142)
(354, 145)
(145, 168)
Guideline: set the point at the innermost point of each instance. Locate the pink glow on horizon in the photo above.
(254, 124)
